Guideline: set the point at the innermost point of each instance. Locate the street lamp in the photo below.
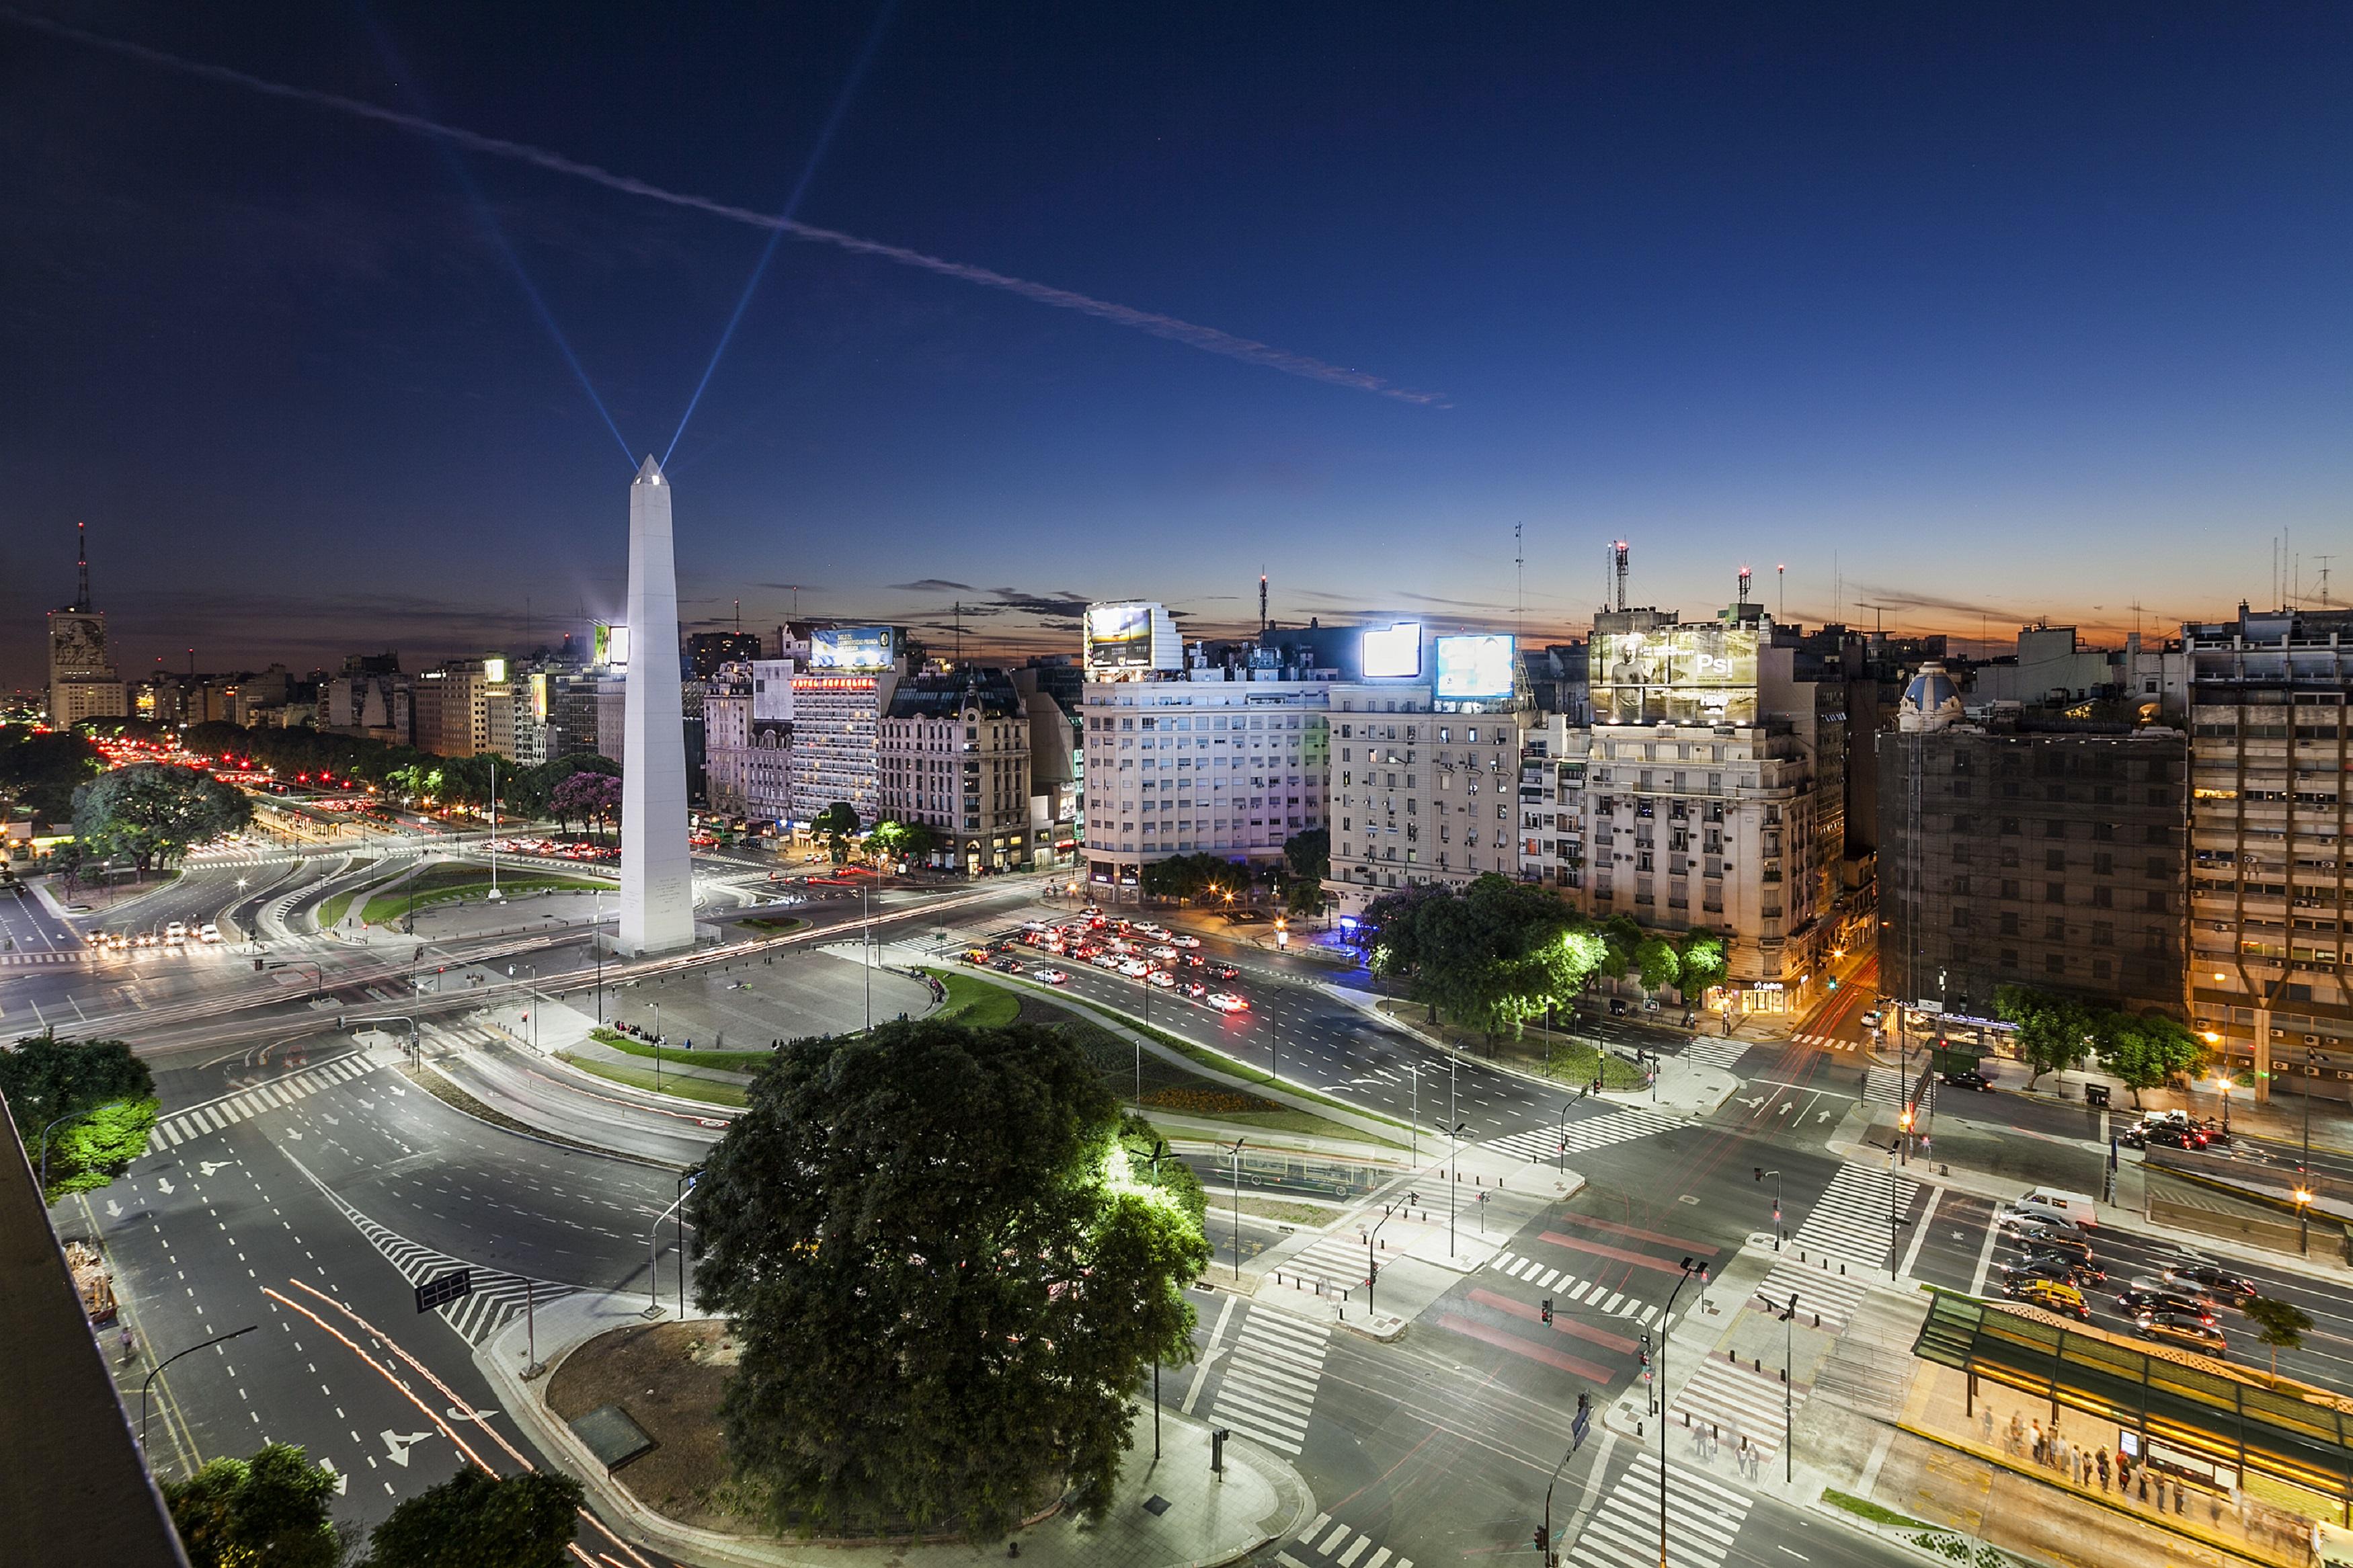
(167, 1360)
(1237, 1152)
(653, 1258)
(658, 1047)
(2222, 1087)
(2304, 1220)
(1689, 1269)
(1454, 1169)
(1761, 1173)
(1544, 1536)
(1904, 1123)
(1789, 1364)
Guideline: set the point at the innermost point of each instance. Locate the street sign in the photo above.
(1579, 1428)
(1927, 1007)
(444, 1288)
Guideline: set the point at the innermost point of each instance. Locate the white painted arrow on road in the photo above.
(1753, 1102)
(342, 1481)
(456, 1414)
(399, 1443)
(164, 1186)
(1822, 1116)
(291, 1132)
(1782, 1109)
(332, 1121)
(113, 1209)
(209, 1166)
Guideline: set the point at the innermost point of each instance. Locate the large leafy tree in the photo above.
(594, 798)
(946, 1222)
(39, 770)
(836, 825)
(476, 1520)
(104, 1095)
(269, 1511)
(1703, 958)
(2281, 1325)
(1489, 955)
(1192, 877)
(2053, 1031)
(2146, 1049)
(151, 812)
(1657, 962)
(903, 840)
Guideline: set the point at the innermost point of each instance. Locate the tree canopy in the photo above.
(836, 825)
(2142, 1050)
(1489, 955)
(1703, 959)
(903, 840)
(106, 1094)
(476, 1520)
(151, 812)
(269, 1511)
(1191, 877)
(2281, 1325)
(39, 769)
(947, 1221)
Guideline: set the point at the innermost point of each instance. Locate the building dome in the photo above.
(1931, 702)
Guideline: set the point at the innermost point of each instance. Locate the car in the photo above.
(1245, 917)
(1195, 961)
(2166, 1135)
(1196, 990)
(1053, 977)
(1617, 1006)
(2190, 1334)
(1181, 941)
(2230, 1290)
(1227, 1002)
(2020, 1222)
(1104, 961)
(1162, 952)
(208, 932)
(1008, 965)
(2073, 1247)
(2051, 1295)
(1966, 1078)
(1870, 1020)
(1133, 967)
(1224, 972)
(144, 938)
(1161, 978)
(2053, 1265)
(2144, 1297)
(177, 931)
(1157, 933)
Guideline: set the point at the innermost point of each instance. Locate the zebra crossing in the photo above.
(1715, 1051)
(66, 955)
(1337, 1259)
(1825, 1042)
(214, 1116)
(1727, 1400)
(1568, 1289)
(1849, 1230)
(1624, 1530)
(1342, 1544)
(1539, 1143)
(1269, 1388)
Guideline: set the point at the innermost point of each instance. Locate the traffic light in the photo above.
(1548, 1308)
(1760, 1173)
(1834, 981)
(1646, 1347)
(1584, 1403)
(1543, 1542)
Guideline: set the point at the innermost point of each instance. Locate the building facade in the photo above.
(1422, 791)
(953, 755)
(465, 708)
(83, 681)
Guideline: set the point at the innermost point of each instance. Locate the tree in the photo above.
(269, 1511)
(908, 841)
(108, 1094)
(944, 1220)
(1704, 960)
(594, 798)
(39, 770)
(2146, 1049)
(152, 813)
(836, 825)
(1656, 960)
(2279, 1324)
(2052, 1031)
(1489, 955)
(1620, 937)
(476, 1520)
(1190, 877)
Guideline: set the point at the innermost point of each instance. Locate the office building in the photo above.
(83, 681)
(2019, 856)
(836, 708)
(369, 697)
(465, 708)
(1053, 698)
(2271, 748)
(707, 651)
(953, 756)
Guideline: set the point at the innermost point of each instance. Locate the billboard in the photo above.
(1472, 668)
(1119, 637)
(851, 648)
(610, 644)
(1698, 674)
(1393, 652)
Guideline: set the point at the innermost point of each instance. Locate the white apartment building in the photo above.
(1421, 790)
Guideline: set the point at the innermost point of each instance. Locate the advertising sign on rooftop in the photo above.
(1393, 652)
(1131, 639)
(609, 646)
(1696, 674)
(1473, 668)
(851, 647)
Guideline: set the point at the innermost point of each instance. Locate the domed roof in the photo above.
(1932, 700)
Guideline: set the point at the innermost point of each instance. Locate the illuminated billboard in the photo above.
(1393, 652)
(1128, 639)
(1472, 668)
(609, 646)
(851, 648)
(494, 669)
(1700, 674)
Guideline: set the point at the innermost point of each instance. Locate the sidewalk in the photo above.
(1200, 1519)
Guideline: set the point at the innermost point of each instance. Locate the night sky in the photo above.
(1991, 311)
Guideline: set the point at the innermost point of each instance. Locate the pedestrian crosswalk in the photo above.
(1703, 1517)
(1825, 1042)
(1856, 1215)
(1584, 1137)
(1568, 1289)
(1269, 1388)
(1326, 1540)
(215, 1115)
(65, 955)
(1883, 1086)
(1727, 1401)
(1335, 1262)
(1826, 1298)
(1715, 1051)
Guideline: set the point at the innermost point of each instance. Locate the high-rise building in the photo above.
(370, 697)
(2050, 858)
(1053, 696)
(2271, 912)
(83, 681)
(953, 756)
(465, 708)
(838, 703)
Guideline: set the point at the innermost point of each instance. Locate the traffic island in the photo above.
(647, 1392)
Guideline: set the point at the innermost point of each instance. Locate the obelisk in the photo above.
(657, 877)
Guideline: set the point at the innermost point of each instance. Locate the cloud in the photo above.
(1061, 608)
(1908, 599)
(929, 586)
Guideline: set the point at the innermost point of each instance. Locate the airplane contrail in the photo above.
(1209, 339)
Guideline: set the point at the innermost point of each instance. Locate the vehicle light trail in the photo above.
(1209, 339)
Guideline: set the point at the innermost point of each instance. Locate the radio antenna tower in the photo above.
(1617, 555)
(81, 545)
(1743, 601)
(1262, 603)
(1520, 588)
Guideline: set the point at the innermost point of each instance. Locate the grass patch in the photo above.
(1236, 1067)
(1864, 1508)
(975, 1001)
(701, 1088)
(450, 884)
(1304, 1216)
(734, 1061)
(332, 912)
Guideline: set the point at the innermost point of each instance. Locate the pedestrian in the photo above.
(2038, 1442)
(2143, 1484)
(2104, 1469)
(130, 1342)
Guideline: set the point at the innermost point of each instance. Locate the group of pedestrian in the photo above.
(2088, 1468)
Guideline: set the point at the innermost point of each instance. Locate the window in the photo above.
(2054, 892)
(2104, 934)
(2054, 828)
(2055, 929)
(2104, 831)
(2054, 963)
(2103, 896)
(2008, 887)
(2009, 827)
(2100, 967)
(2104, 864)
(2054, 859)
(2158, 901)
(1960, 917)
(2010, 922)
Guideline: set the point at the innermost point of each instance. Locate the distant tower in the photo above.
(83, 681)
(657, 877)
(1262, 603)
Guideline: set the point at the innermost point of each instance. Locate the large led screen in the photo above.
(1675, 675)
(1393, 652)
(1119, 637)
(851, 647)
(1472, 668)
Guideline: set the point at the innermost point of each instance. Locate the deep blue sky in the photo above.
(2005, 310)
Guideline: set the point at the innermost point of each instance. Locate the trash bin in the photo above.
(2095, 1094)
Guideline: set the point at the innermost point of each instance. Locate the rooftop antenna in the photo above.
(1743, 601)
(1520, 589)
(1618, 555)
(2323, 561)
(739, 618)
(1262, 603)
(1781, 582)
(192, 663)
(82, 544)
(959, 634)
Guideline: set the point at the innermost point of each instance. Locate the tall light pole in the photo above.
(1454, 1175)
(1789, 1373)
(1544, 1536)
(865, 954)
(167, 1360)
(658, 1047)
(1237, 1152)
(494, 894)
(1689, 1269)
(653, 1260)
(1761, 1173)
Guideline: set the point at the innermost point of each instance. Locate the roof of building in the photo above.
(939, 696)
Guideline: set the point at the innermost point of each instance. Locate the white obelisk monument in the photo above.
(657, 877)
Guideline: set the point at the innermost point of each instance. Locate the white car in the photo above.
(1164, 954)
(1103, 961)
(1227, 1002)
(1134, 966)
(208, 932)
(177, 931)
(1053, 977)
(1185, 942)
(1162, 978)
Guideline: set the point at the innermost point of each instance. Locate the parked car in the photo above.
(1617, 1006)
(2230, 1290)
(2051, 1295)
(2190, 1334)
(1967, 1077)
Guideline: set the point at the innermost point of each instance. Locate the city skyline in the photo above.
(1663, 286)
